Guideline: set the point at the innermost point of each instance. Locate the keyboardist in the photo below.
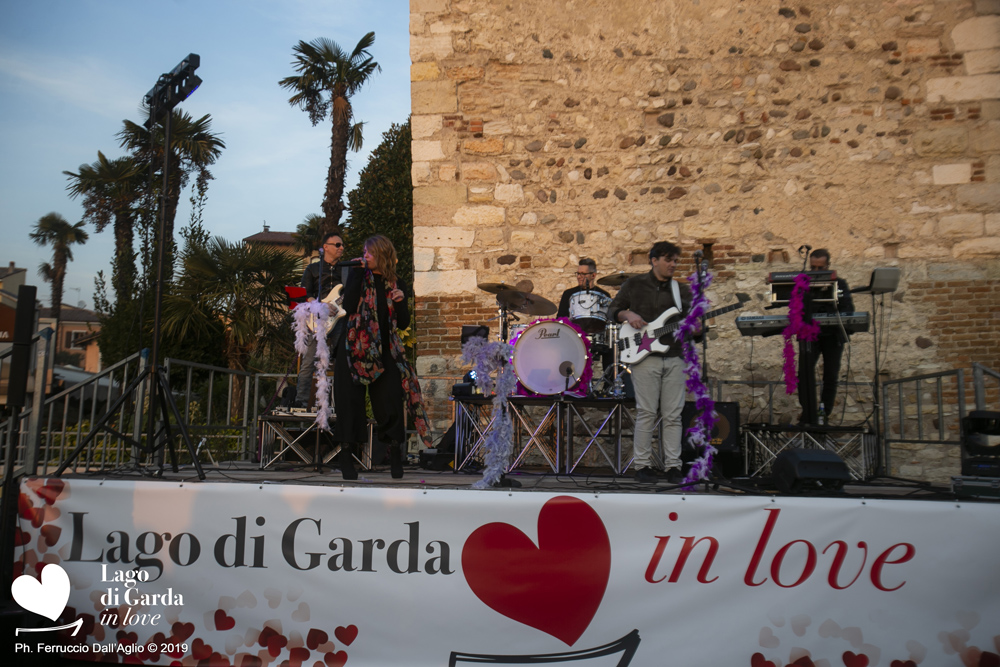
(830, 344)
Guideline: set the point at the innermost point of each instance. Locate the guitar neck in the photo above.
(673, 326)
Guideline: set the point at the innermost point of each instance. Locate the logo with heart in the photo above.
(555, 587)
(46, 598)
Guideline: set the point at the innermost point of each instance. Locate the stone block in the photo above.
(991, 223)
(447, 172)
(485, 146)
(522, 239)
(437, 237)
(979, 32)
(697, 228)
(489, 238)
(940, 141)
(451, 194)
(478, 171)
(964, 88)
(979, 194)
(432, 47)
(457, 281)
(420, 173)
(448, 260)
(426, 71)
(424, 126)
(985, 138)
(431, 365)
(922, 47)
(466, 73)
(952, 174)
(428, 6)
(430, 97)
(480, 194)
(423, 259)
(426, 151)
(962, 224)
(508, 193)
(982, 247)
(474, 216)
(982, 62)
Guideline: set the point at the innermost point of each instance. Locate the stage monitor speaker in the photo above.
(981, 444)
(725, 434)
(803, 470)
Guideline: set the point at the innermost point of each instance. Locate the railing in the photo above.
(985, 394)
(25, 423)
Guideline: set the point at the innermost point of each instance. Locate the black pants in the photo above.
(386, 395)
(831, 349)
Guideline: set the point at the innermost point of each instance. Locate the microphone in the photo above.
(566, 368)
(806, 247)
(699, 254)
(351, 262)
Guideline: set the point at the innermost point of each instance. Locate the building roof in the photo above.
(272, 238)
(10, 270)
(72, 314)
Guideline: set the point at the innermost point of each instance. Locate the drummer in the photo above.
(586, 280)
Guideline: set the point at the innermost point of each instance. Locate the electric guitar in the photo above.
(335, 310)
(657, 336)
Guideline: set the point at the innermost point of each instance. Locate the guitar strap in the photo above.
(677, 295)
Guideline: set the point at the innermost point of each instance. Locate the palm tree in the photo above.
(328, 77)
(193, 148)
(308, 235)
(53, 230)
(111, 191)
(240, 285)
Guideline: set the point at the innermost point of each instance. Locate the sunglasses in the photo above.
(335, 245)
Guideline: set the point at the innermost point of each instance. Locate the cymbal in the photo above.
(536, 305)
(496, 288)
(616, 279)
(510, 298)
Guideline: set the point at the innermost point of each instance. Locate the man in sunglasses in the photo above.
(586, 279)
(319, 279)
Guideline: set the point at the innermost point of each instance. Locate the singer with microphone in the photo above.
(372, 360)
(658, 377)
(319, 279)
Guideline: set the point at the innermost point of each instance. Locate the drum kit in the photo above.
(551, 356)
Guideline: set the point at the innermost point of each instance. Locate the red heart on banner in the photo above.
(346, 635)
(758, 660)
(223, 621)
(338, 659)
(315, 638)
(852, 660)
(555, 587)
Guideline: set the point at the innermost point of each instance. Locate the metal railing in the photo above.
(985, 392)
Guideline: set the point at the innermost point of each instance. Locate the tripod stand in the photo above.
(170, 90)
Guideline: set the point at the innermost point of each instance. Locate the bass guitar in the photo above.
(658, 335)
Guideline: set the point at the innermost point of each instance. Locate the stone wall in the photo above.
(548, 131)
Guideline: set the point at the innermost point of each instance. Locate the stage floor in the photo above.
(525, 479)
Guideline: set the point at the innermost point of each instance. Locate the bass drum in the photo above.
(541, 349)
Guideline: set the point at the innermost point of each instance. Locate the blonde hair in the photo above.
(385, 256)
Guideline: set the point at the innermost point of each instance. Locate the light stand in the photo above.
(170, 90)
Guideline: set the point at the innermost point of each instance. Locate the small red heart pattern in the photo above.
(555, 587)
(346, 635)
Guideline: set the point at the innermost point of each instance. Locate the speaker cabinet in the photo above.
(802, 470)
(725, 438)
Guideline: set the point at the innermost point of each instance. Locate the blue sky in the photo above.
(72, 70)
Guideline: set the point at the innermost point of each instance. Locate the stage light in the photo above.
(172, 88)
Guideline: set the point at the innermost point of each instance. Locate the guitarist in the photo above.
(319, 279)
(659, 376)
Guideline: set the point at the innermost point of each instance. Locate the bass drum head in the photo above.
(539, 352)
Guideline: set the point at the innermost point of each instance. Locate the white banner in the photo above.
(240, 574)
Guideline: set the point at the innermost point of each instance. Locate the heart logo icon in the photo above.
(46, 598)
(555, 587)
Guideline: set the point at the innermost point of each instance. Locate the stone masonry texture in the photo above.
(549, 131)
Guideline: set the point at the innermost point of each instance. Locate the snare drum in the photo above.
(542, 348)
(589, 310)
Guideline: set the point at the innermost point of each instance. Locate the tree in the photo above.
(328, 78)
(112, 190)
(193, 148)
(53, 230)
(309, 234)
(382, 203)
(239, 287)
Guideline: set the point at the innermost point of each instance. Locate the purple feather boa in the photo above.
(487, 358)
(700, 433)
(796, 329)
